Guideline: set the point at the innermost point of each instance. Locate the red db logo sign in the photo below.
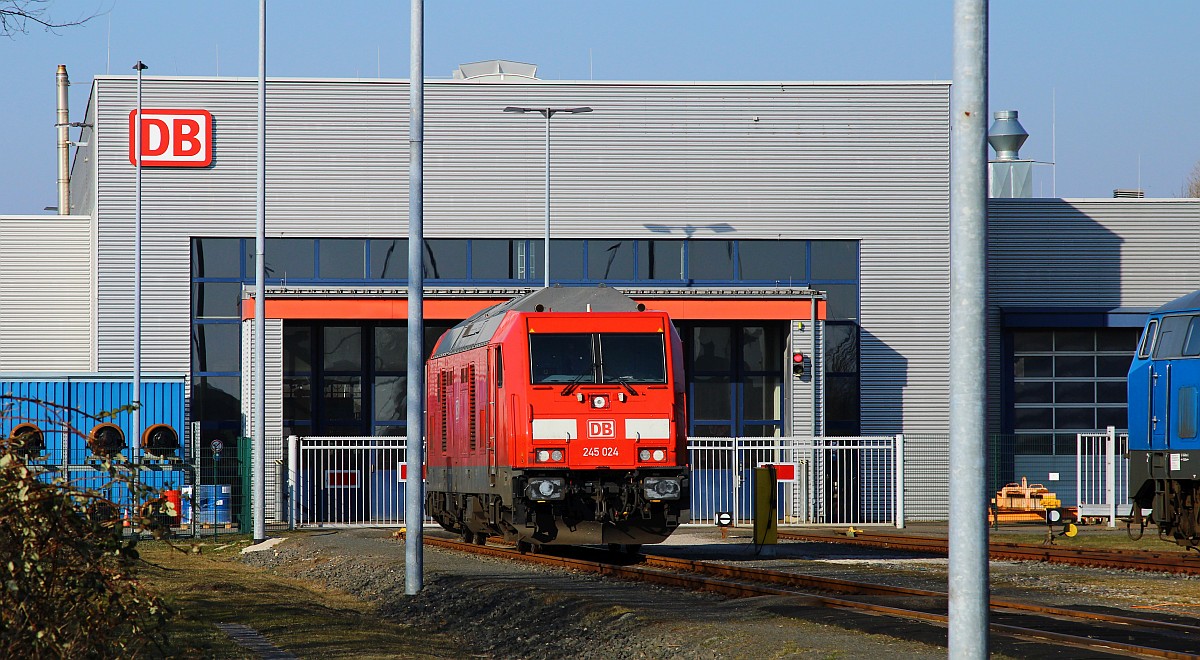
(172, 138)
(602, 428)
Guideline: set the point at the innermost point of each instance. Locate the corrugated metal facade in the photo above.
(864, 161)
(1097, 253)
(46, 293)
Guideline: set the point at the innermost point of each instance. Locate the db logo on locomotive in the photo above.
(602, 428)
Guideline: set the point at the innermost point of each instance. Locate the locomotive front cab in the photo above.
(605, 426)
(1164, 422)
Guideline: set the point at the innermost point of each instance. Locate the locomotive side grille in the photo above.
(444, 378)
(473, 420)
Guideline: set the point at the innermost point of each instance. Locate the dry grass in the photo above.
(300, 617)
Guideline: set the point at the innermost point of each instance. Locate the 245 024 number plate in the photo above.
(605, 452)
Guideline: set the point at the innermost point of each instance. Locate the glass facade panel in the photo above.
(343, 348)
(217, 257)
(1033, 392)
(297, 348)
(712, 397)
(391, 398)
(216, 347)
(842, 405)
(779, 262)
(712, 431)
(660, 260)
(841, 348)
(566, 259)
(391, 348)
(1113, 366)
(712, 349)
(1075, 340)
(217, 398)
(1074, 366)
(762, 350)
(214, 300)
(491, 260)
(389, 259)
(342, 397)
(445, 259)
(834, 260)
(1035, 418)
(1118, 340)
(1033, 341)
(287, 258)
(297, 399)
(343, 259)
(1033, 366)
(1118, 417)
(710, 260)
(610, 260)
(1083, 419)
(1075, 392)
(762, 397)
(842, 301)
(1111, 392)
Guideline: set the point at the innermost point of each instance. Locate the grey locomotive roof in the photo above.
(481, 327)
(1189, 301)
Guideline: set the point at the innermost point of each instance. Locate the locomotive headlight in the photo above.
(657, 455)
(599, 401)
(546, 488)
(661, 488)
(543, 455)
(549, 456)
(556, 455)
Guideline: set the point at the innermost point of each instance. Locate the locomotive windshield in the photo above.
(608, 357)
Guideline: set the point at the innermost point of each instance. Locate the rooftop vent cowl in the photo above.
(1006, 134)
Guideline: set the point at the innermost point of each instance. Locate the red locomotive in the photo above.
(558, 418)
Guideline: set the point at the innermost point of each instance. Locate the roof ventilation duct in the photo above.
(1008, 175)
(496, 71)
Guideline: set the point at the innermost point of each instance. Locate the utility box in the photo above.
(766, 506)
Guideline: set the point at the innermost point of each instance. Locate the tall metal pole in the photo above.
(414, 492)
(258, 432)
(968, 588)
(546, 261)
(137, 271)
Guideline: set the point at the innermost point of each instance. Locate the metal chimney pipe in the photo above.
(1007, 135)
(63, 123)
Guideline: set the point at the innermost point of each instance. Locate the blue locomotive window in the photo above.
(1191, 345)
(1187, 412)
(1171, 336)
(1148, 340)
(632, 358)
(561, 358)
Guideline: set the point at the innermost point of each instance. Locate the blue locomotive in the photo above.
(1164, 423)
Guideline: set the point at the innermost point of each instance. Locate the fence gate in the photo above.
(1102, 469)
(343, 482)
(838, 480)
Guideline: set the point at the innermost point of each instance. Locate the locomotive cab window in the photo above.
(1171, 337)
(597, 358)
(1148, 340)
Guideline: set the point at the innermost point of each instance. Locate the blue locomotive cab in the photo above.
(1164, 421)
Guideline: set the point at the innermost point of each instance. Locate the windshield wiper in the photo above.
(573, 384)
(624, 380)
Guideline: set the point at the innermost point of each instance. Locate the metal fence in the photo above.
(334, 482)
(1102, 466)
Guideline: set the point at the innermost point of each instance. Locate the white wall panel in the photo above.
(46, 295)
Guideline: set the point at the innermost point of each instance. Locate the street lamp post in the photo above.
(547, 113)
(137, 271)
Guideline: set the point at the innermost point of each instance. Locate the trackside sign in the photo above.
(172, 137)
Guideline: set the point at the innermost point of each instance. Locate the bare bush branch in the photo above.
(17, 16)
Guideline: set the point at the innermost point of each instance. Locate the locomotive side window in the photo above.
(632, 358)
(1148, 340)
(1171, 337)
(499, 368)
(561, 358)
(1191, 345)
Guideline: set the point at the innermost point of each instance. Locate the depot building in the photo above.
(797, 232)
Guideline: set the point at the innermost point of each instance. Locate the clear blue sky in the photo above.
(1123, 76)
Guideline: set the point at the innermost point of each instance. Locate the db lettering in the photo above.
(602, 428)
(172, 138)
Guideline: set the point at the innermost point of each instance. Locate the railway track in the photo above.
(1164, 562)
(1097, 632)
